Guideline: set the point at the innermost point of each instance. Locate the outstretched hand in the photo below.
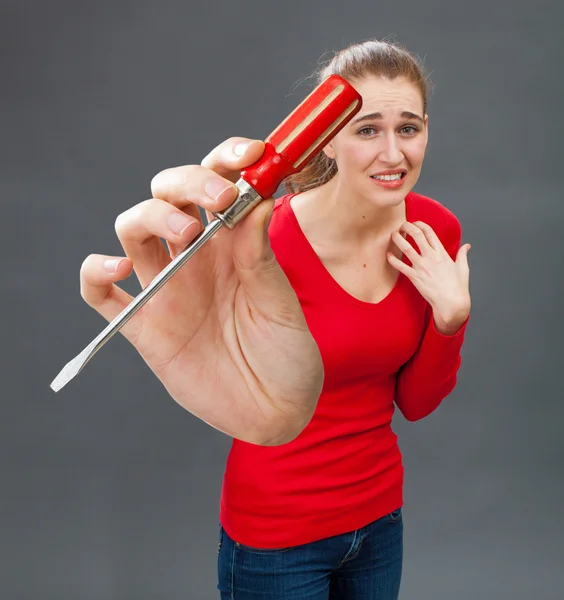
(226, 335)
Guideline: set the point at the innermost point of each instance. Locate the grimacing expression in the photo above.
(379, 154)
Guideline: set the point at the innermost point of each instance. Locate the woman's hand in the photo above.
(226, 335)
(444, 283)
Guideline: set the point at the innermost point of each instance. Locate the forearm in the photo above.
(431, 374)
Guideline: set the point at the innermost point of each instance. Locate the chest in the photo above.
(357, 339)
(368, 276)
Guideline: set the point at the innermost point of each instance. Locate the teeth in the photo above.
(387, 177)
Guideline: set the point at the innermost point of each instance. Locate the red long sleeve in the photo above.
(417, 394)
(345, 469)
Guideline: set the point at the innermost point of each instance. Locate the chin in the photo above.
(389, 199)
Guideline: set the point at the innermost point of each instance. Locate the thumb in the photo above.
(265, 284)
(462, 255)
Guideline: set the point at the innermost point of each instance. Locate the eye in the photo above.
(366, 131)
(409, 129)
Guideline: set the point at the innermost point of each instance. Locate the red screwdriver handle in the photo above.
(303, 133)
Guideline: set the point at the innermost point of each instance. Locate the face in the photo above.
(379, 154)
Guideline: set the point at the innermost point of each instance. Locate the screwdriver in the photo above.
(319, 117)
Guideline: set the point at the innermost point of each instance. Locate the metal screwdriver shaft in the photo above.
(246, 200)
(73, 368)
(287, 150)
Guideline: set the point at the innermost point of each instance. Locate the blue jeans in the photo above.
(365, 564)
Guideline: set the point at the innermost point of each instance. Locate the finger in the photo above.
(231, 156)
(432, 238)
(141, 228)
(416, 233)
(98, 275)
(399, 264)
(251, 244)
(406, 247)
(462, 257)
(193, 185)
(265, 284)
(193, 211)
(210, 185)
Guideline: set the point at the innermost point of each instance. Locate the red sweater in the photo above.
(345, 469)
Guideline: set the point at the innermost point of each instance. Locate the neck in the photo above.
(338, 215)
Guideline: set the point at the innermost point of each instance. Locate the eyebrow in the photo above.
(374, 116)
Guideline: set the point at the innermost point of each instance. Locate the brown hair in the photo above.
(373, 57)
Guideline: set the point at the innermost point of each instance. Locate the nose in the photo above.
(391, 152)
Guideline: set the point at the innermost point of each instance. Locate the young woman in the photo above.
(299, 331)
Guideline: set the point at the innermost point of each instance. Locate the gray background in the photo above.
(109, 489)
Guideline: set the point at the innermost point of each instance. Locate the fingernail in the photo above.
(240, 148)
(111, 264)
(178, 223)
(216, 187)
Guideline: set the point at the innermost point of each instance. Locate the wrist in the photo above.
(448, 322)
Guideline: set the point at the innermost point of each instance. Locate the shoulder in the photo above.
(280, 212)
(442, 220)
(281, 222)
(284, 234)
(282, 201)
(422, 207)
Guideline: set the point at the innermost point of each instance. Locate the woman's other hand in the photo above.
(442, 281)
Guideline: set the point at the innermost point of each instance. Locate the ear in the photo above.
(329, 150)
(426, 129)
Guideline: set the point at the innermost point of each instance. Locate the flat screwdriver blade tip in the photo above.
(71, 369)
